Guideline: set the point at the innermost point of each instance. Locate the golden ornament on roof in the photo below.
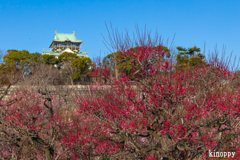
(59, 50)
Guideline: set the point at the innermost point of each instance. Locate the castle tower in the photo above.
(65, 42)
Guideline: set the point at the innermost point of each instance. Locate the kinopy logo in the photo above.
(221, 154)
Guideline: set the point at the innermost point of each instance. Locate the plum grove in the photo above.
(153, 108)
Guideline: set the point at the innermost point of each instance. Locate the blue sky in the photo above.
(30, 24)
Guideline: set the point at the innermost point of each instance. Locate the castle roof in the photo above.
(61, 37)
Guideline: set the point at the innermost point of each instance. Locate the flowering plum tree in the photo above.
(124, 63)
(31, 127)
(166, 113)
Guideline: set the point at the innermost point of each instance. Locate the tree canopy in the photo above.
(70, 64)
(66, 56)
(81, 65)
(21, 60)
(50, 59)
(190, 57)
(125, 63)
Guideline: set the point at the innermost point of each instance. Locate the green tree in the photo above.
(81, 66)
(115, 62)
(19, 59)
(50, 59)
(66, 56)
(72, 66)
(190, 57)
(16, 64)
(34, 60)
(36, 57)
